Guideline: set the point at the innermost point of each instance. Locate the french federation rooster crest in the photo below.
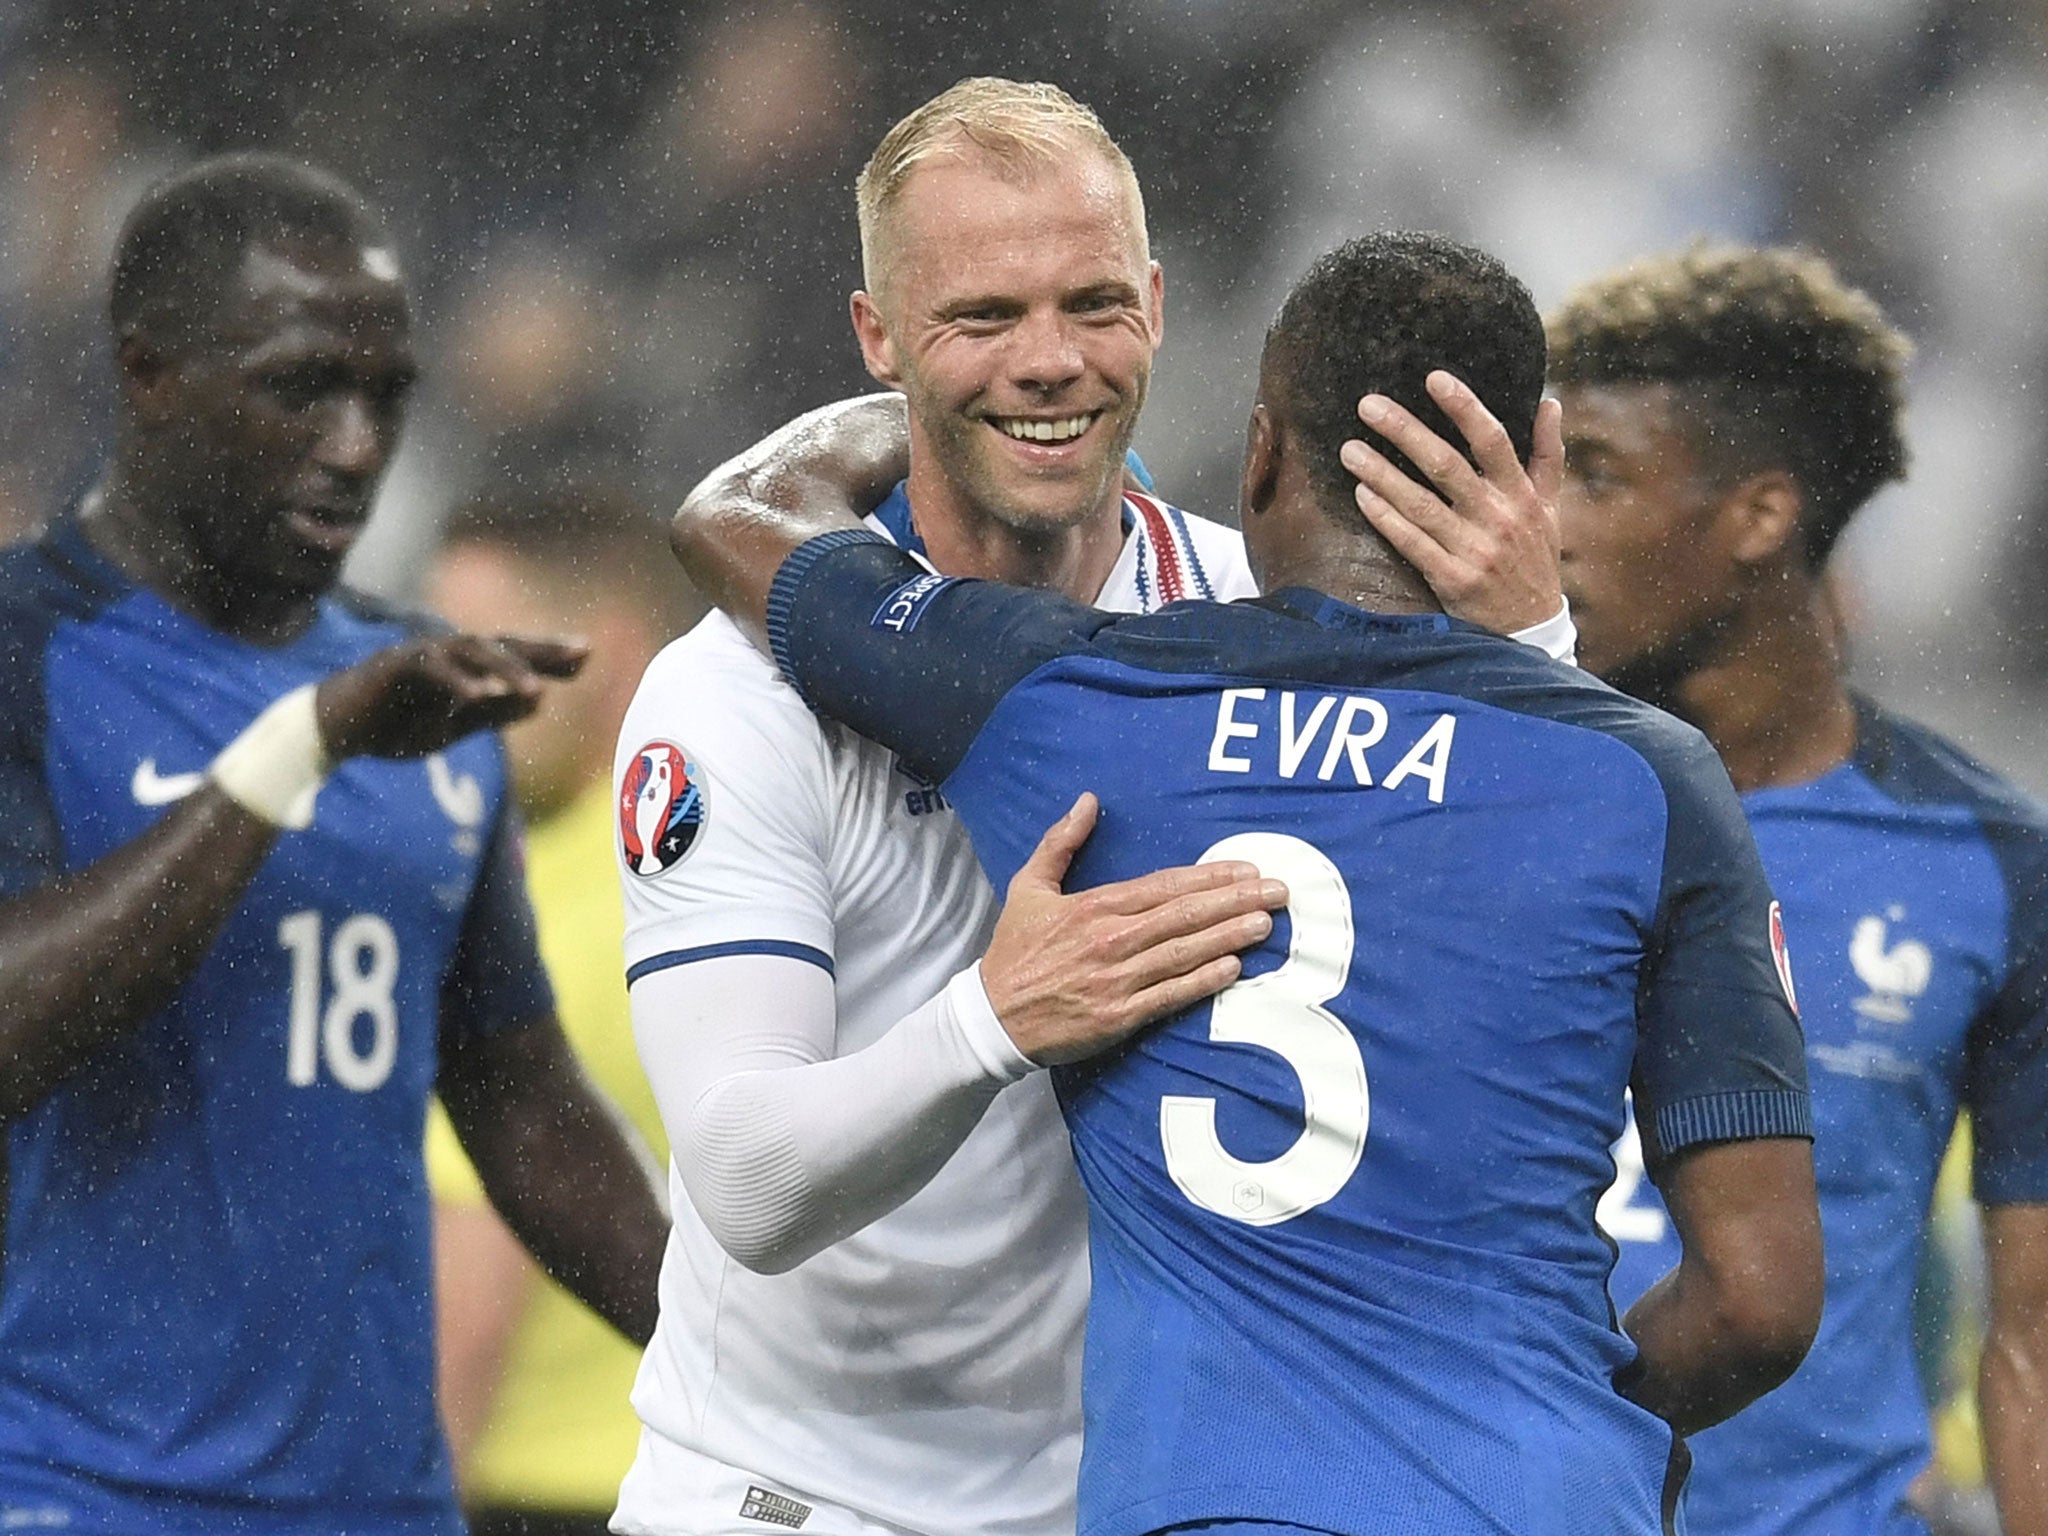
(661, 808)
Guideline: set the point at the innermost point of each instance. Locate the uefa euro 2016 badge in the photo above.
(661, 808)
(1782, 958)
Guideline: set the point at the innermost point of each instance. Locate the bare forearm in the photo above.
(825, 470)
(92, 956)
(571, 1182)
(1686, 1374)
(2012, 1398)
(2012, 1382)
(482, 1281)
(1740, 1311)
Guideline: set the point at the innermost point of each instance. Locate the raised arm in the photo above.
(89, 956)
(823, 471)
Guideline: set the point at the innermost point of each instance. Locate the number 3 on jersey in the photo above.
(1283, 1012)
(362, 969)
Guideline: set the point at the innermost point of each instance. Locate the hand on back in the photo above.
(1070, 976)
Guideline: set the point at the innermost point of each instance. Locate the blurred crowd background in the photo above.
(630, 222)
(629, 228)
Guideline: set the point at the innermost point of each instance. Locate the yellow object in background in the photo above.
(1956, 1244)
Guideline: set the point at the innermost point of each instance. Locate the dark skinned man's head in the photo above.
(1376, 316)
(1726, 412)
(265, 354)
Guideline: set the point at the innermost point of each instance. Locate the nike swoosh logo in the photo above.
(152, 788)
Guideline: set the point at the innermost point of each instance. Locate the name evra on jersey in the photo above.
(1348, 725)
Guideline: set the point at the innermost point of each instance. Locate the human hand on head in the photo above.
(1484, 539)
(416, 698)
(1070, 976)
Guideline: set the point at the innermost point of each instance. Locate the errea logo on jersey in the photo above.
(661, 808)
(774, 1508)
(1782, 958)
(925, 798)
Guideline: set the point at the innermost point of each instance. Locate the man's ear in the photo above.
(877, 349)
(1158, 287)
(1261, 463)
(1766, 509)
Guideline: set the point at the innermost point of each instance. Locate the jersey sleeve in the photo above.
(725, 811)
(495, 981)
(2006, 1085)
(31, 843)
(914, 660)
(1720, 1055)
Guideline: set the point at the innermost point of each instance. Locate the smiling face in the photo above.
(273, 430)
(1649, 557)
(1019, 315)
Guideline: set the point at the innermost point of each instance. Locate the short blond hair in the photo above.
(1023, 127)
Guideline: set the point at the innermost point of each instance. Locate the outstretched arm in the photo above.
(1485, 538)
(93, 954)
(823, 471)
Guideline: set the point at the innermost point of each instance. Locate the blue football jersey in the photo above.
(215, 1286)
(1915, 887)
(1346, 1273)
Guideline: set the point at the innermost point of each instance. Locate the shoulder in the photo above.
(1918, 767)
(714, 663)
(710, 691)
(1570, 696)
(43, 588)
(43, 583)
(1929, 776)
(1496, 671)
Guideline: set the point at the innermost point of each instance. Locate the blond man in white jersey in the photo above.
(873, 1297)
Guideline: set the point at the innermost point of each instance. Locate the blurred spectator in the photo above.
(68, 171)
(534, 1387)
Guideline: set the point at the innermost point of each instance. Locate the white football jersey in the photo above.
(924, 1373)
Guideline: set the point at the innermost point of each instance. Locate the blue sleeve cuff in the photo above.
(782, 592)
(1743, 1115)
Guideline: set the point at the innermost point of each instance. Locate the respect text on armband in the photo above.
(1280, 731)
(901, 609)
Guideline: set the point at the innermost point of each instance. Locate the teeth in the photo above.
(1044, 431)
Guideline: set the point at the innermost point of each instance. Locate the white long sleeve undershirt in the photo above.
(783, 1148)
